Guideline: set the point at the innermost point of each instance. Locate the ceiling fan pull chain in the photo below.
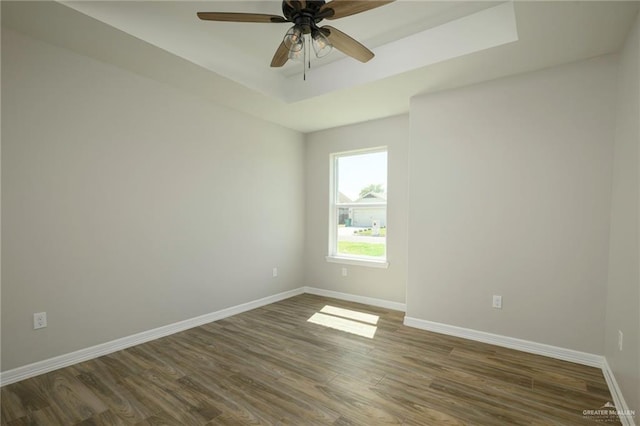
(304, 64)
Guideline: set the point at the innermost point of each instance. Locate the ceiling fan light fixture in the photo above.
(294, 39)
(306, 15)
(296, 55)
(321, 44)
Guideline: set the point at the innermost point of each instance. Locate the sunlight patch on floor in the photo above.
(344, 324)
(348, 313)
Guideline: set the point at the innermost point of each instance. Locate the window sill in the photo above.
(359, 262)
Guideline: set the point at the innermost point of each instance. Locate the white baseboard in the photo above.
(618, 399)
(556, 352)
(564, 354)
(396, 306)
(44, 366)
(65, 360)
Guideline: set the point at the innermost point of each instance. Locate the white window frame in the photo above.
(334, 205)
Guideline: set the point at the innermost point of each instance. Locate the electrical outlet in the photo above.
(497, 301)
(39, 320)
(620, 339)
(275, 272)
(344, 272)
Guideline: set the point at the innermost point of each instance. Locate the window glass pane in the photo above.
(368, 241)
(361, 230)
(361, 174)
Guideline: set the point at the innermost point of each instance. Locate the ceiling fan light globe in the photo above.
(321, 44)
(296, 55)
(294, 39)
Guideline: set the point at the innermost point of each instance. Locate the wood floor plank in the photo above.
(231, 401)
(159, 419)
(272, 366)
(119, 400)
(12, 407)
(68, 398)
(106, 418)
(231, 412)
(46, 416)
(437, 399)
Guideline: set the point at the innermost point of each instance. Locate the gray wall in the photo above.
(623, 290)
(509, 194)
(128, 205)
(388, 284)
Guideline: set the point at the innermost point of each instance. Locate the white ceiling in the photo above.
(242, 51)
(420, 46)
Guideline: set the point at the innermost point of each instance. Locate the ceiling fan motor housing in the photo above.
(304, 14)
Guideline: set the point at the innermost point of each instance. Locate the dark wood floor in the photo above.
(272, 366)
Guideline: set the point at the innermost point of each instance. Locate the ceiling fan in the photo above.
(305, 16)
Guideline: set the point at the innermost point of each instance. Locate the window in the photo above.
(358, 215)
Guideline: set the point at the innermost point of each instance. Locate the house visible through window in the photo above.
(358, 222)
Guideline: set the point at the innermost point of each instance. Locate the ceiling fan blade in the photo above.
(240, 17)
(346, 44)
(297, 4)
(281, 56)
(342, 8)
